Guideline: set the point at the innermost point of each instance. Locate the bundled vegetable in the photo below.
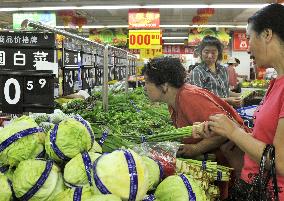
(121, 173)
(172, 135)
(37, 180)
(20, 140)
(5, 190)
(70, 137)
(181, 188)
(78, 171)
(194, 167)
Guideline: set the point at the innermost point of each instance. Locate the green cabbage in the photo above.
(108, 197)
(27, 174)
(72, 138)
(25, 148)
(173, 189)
(87, 195)
(5, 189)
(112, 170)
(68, 194)
(96, 148)
(153, 170)
(74, 171)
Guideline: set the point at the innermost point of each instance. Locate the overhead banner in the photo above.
(177, 49)
(240, 42)
(196, 36)
(144, 39)
(47, 18)
(143, 18)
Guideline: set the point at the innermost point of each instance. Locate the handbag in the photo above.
(259, 189)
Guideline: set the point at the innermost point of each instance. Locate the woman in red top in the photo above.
(165, 82)
(266, 44)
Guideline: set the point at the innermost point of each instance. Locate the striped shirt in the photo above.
(217, 82)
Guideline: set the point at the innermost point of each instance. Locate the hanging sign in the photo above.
(150, 53)
(26, 91)
(144, 39)
(143, 18)
(240, 42)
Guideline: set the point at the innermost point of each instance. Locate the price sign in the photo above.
(111, 72)
(26, 91)
(68, 81)
(98, 76)
(144, 39)
(87, 81)
(150, 53)
(70, 58)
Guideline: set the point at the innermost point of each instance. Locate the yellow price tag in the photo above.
(144, 39)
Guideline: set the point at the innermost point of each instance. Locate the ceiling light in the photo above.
(117, 7)
(173, 43)
(174, 37)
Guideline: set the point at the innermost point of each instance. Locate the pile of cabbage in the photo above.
(65, 163)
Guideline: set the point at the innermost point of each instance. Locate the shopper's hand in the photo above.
(201, 130)
(220, 124)
(235, 101)
(188, 151)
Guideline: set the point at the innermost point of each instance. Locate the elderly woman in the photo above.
(265, 32)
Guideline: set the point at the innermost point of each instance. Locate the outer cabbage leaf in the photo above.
(173, 189)
(154, 172)
(25, 148)
(27, 174)
(5, 190)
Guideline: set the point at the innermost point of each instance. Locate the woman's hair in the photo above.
(211, 41)
(165, 69)
(269, 17)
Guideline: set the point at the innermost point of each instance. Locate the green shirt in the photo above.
(217, 82)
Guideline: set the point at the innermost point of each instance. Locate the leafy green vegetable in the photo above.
(27, 174)
(72, 138)
(5, 190)
(75, 172)
(27, 147)
(173, 189)
(112, 169)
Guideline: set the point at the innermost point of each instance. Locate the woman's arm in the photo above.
(222, 125)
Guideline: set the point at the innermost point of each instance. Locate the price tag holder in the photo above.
(87, 81)
(99, 76)
(26, 91)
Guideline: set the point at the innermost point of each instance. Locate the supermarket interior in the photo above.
(138, 100)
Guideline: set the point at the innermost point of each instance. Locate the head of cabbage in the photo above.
(28, 173)
(27, 147)
(118, 171)
(154, 172)
(75, 170)
(174, 188)
(72, 138)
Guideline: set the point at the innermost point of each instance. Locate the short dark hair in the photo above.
(237, 60)
(269, 17)
(165, 69)
(211, 41)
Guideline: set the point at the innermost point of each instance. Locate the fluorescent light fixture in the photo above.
(173, 43)
(203, 26)
(117, 7)
(162, 26)
(174, 37)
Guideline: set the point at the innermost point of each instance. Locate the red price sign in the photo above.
(144, 39)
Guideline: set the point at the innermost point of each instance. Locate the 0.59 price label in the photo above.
(144, 39)
(23, 92)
